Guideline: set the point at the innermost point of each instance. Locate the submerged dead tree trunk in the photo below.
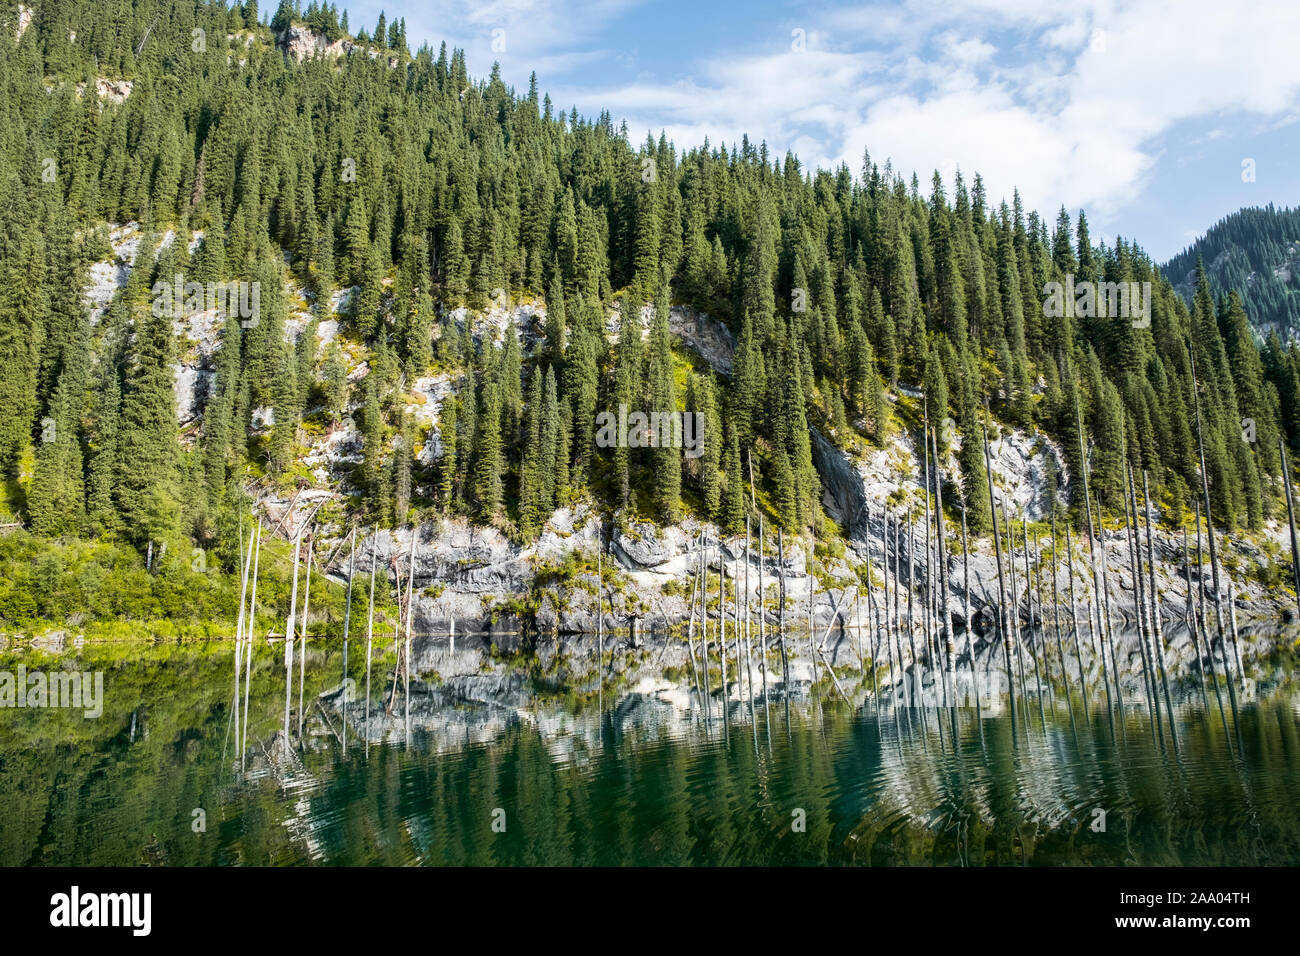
(1002, 591)
(944, 583)
(251, 630)
(1074, 623)
(1191, 622)
(780, 614)
(1139, 603)
(1290, 518)
(302, 656)
(1209, 531)
(290, 628)
(370, 621)
(1155, 613)
(970, 624)
(1097, 581)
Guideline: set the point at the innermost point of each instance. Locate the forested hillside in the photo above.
(1254, 252)
(396, 177)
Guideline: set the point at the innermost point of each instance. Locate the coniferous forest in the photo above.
(388, 189)
(1253, 252)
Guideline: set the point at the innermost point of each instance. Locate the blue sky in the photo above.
(1142, 113)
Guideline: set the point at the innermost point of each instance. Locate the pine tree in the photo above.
(555, 322)
(511, 378)
(936, 393)
(564, 441)
(749, 379)
(531, 503)
(334, 382)
(666, 458)
(549, 444)
(287, 407)
(56, 499)
(581, 387)
(23, 304)
(486, 459)
(627, 388)
(220, 427)
(566, 242)
(447, 464)
(146, 471)
(403, 447)
(734, 493)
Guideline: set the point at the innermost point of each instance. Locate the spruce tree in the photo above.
(486, 459)
(666, 458)
(734, 492)
(531, 495)
(146, 471)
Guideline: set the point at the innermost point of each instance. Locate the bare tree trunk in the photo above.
(970, 625)
(1204, 623)
(302, 657)
(600, 612)
(1191, 622)
(871, 618)
(1139, 595)
(722, 627)
(1002, 591)
(410, 610)
(812, 652)
(1209, 532)
(1029, 601)
(780, 625)
(1056, 621)
(251, 627)
(749, 670)
(1290, 518)
(246, 560)
(762, 612)
(704, 615)
(1155, 613)
(347, 622)
(289, 631)
(1074, 623)
(370, 622)
(1013, 608)
(917, 682)
(1098, 585)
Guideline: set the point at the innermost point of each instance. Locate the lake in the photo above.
(633, 776)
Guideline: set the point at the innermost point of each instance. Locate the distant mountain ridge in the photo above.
(1256, 252)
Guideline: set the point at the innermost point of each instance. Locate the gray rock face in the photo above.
(644, 546)
(300, 43)
(842, 492)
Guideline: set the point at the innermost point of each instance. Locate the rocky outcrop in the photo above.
(489, 324)
(642, 545)
(843, 490)
(300, 43)
(426, 396)
(705, 336)
(114, 91)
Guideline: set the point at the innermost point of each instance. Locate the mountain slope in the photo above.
(444, 284)
(1254, 252)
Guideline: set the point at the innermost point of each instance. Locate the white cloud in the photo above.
(1069, 105)
(968, 52)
